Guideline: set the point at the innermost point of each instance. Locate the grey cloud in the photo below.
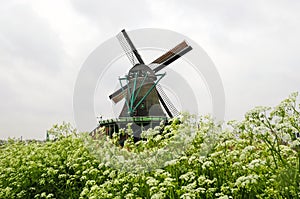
(26, 36)
(114, 15)
(254, 44)
(31, 61)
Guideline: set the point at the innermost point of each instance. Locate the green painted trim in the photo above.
(141, 86)
(133, 91)
(148, 92)
(128, 89)
(133, 119)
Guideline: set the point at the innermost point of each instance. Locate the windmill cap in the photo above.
(141, 70)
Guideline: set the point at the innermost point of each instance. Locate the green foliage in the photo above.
(258, 157)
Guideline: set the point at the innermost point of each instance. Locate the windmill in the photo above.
(145, 99)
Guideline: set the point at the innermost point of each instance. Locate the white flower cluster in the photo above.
(246, 181)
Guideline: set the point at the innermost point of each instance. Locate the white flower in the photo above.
(135, 189)
(129, 196)
(153, 190)
(207, 164)
(112, 174)
(216, 154)
(192, 159)
(236, 164)
(244, 181)
(201, 180)
(190, 187)
(158, 138)
(168, 182)
(152, 181)
(94, 187)
(256, 163)
(189, 176)
(171, 162)
(296, 143)
(224, 197)
(200, 190)
(286, 138)
(248, 148)
(158, 195)
(188, 196)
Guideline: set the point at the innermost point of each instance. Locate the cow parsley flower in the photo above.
(189, 176)
(207, 164)
(158, 195)
(152, 181)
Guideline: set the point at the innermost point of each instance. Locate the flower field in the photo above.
(258, 157)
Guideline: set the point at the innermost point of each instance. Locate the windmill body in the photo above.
(146, 104)
(142, 98)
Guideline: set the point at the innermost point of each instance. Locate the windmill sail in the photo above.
(119, 94)
(166, 102)
(170, 56)
(170, 53)
(128, 47)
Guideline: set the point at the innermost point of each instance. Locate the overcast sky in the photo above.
(254, 45)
